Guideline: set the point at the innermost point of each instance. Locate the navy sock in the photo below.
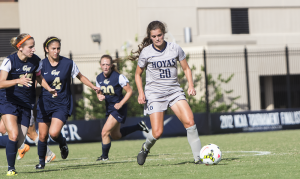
(11, 152)
(3, 140)
(42, 150)
(105, 149)
(130, 129)
(61, 140)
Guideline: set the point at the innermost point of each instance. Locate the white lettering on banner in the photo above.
(263, 119)
(226, 121)
(69, 131)
(64, 132)
(240, 120)
(290, 118)
(73, 132)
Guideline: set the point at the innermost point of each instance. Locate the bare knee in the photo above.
(105, 133)
(157, 133)
(189, 123)
(54, 135)
(43, 137)
(116, 136)
(13, 136)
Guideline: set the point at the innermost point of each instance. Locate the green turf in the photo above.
(245, 155)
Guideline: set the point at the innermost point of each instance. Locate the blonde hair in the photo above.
(15, 40)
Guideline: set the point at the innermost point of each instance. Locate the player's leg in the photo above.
(109, 126)
(184, 113)
(2, 127)
(141, 126)
(55, 133)
(42, 143)
(157, 124)
(11, 124)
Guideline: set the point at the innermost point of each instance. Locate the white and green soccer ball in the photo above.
(210, 154)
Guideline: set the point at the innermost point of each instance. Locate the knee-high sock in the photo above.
(150, 141)
(105, 149)
(130, 129)
(36, 141)
(61, 140)
(42, 149)
(3, 140)
(11, 152)
(194, 141)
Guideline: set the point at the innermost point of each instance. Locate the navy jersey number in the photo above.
(165, 73)
(109, 90)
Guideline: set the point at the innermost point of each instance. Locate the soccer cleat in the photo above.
(39, 166)
(64, 151)
(101, 158)
(50, 158)
(11, 173)
(23, 151)
(141, 158)
(143, 126)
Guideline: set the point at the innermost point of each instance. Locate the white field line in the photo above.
(250, 153)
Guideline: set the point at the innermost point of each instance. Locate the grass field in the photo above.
(245, 155)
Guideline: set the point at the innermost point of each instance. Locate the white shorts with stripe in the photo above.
(162, 104)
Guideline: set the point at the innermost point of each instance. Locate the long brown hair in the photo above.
(113, 66)
(147, 40)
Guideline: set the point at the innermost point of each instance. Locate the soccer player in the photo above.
(18, 71)
(52, 113)
(162, 89)
(112, 84)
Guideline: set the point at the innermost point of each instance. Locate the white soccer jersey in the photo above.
(161, 73)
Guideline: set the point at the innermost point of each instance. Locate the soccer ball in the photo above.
(210, 154)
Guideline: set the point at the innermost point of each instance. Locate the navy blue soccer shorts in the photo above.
(21, 112)
(46, 118)
(120, 115)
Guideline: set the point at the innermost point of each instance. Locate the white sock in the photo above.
(150, 141)
(194, 141)
(49, 152)
(36, 141)
(22, 146)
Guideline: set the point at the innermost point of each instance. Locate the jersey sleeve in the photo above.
(123, 80)
(6, 65)
(142, 61)
(97, 84)
(75, 70)
(181, 54)
(40, 66)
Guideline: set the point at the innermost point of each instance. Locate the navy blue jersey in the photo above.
(59, 78)
(16, 68)
(111, 88)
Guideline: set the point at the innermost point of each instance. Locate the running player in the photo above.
(52, 113)
(112, 84)
(162, 89)
(18, 71)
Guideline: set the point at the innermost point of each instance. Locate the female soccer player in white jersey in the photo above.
(162, 89)
(112, 84)
(17, 94)
(52, 113)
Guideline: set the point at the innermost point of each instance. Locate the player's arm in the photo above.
(40, 79)
(9, 83)
(128, 94)
(139, 83)
(188, 73)
(87, 82)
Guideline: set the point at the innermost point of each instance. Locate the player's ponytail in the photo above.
(19, 41)
(112, 62)
(49, 41)
(147, 40)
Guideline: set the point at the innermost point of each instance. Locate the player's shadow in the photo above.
(230, 159)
